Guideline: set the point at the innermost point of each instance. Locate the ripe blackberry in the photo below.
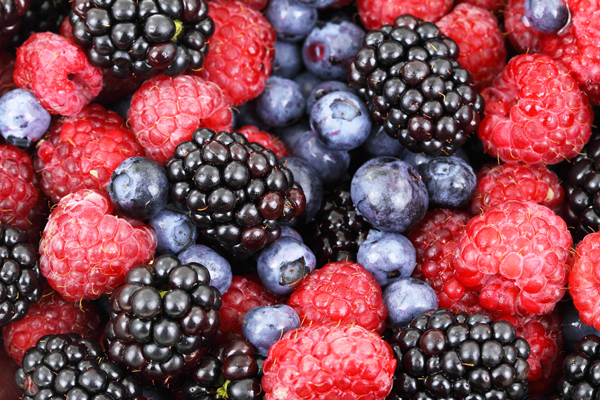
(337, 230)
(42, 16)
(581, 371)
(230, 371)
(236, 192)
(72, 367)
(143, 38)
(19, 274)
(415, 88)
(461, 356)
(162, 318)
(11, 12)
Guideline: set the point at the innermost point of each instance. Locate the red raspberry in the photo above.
(481, 44)
(522, 38)
(435, 239)
(267, 139)
(496, 184)
(166, 111)
(344, 362)
(535, 112)
(584, 281)
(516, 253)
(86, 251)
(342, 291)
(57, 72)
(492, 5)
(242, 296)
(51, 315)
(257, 5)
(7, 66)
(81, 152)
(66, 29)
(375, 13)
(240, 56)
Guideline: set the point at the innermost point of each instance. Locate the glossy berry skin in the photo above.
(263, 326)
(406, 298)
(281, 103)
(175, 231)
(312, 186)
(450, 182)
(380, 144)
(583, 281)
(22, 118)
(546, 17)
(374, 14)
(217, 266)
(573, 327)
(323, 89)
(286, 231)
(292, 20)
(419, 160)
(579, 377)
(288, 60)
(331, 165)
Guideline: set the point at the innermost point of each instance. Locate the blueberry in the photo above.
(545, 16)
(22, 119)
(286, 231)
(330, 165)
(307, 82)
(263, 326)
(324, 88)
(450, 182)
(246, 115)
(290, 134)
(217, 266)
(573, 328)
(291, 20)
(419, 160)
(281, 103)
(284, 264)
(341, 120)
(407, 298)
(311, 184)
(139, 188)
(380, 144)
(122, 106)
(388, 256)
(330, 47)
(317, 3)
(389, 194)
(288, 60)
(175, 232)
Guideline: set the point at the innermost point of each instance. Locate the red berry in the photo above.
(375, 13)
(7, 66)
(267, 139)
(584, 281)
(522, 38)
(492, 5)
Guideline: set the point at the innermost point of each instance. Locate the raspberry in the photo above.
(7, 66)
(51, 315)
(267, 139)
(57, 72)
(375, 13)
(516, 253)
(481, 44)
(328, 362)
(522, 38)
(492, 5)
(535, 112)
(496, 184)
(241, 51)
(82, 151)
(340, 292)
(435, 239)
(584, 281)
(257, 5)
(242, 296)
(165, 111)
(86, 251)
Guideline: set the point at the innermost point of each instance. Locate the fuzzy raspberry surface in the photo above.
(496, 184)
(81, 152)
(375, 13)
(584, 281)
(492, 5)
(516, 253)
(7, 66)
(535, 112)
(240, 56)
(340, 292)
(57, 72)
(267, 139)
(522, 38)
(321, 362)
(165, 111)
(86, 251)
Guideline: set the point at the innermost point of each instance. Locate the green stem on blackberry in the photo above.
(222, 391)
(178, 30)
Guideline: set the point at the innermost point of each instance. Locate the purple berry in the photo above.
(419, 160)
(407, 298)
(218, 267)
(545, 16)
(281, 103)
(450, 182)
(175, 232)
(292, 20)
(307, 82)
(311, 184)
(287, 231)
(330, 165)
(290, 134)
(288, 60)
(265, 325)
(380, 144)
(324, 88)
(246, 114)
(22, 119)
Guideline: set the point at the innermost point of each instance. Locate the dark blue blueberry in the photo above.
(331, 165)
(265, 325)
(218, 267)
(407, 298)
(450, 182)
(139, 188)
(287, 231)
(292, 21)
(307, 82)
(324, 88)
(341, 120)
(290, 134)
(389, 194)
(573, 328)
(246, 115)
(281, 103)
(380, 144)
(284, 264)
(545, 16)
(311, 184)
(22, 119)
(122, 106)
(175, 232)
(317, 3)
(419, 160)
(288, 60)
(329, 48)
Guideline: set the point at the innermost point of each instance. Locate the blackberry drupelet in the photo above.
(236, 192)
(581, 371)
(163, 317)
(337, 230)
(11, 12)
(42, 16)
(415, 88)
(19, 274)
(461, 356)
(143, 38)
(72, 367)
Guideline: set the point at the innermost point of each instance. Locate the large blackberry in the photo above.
(581, 371)
(42, 16)
(143, 37)
(163, 317)
(11, 12)
(461, 356)
(236, 192)
(409, 76)
(69, 366)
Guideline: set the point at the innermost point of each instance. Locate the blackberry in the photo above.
(337, 230)
(230, 371)
(236, 192)
(162, 318)
(42, 16)
(581, 371)
(459, 356)
(145, 37)
(11, 12)
(415, 88)
(72, 367)
(19, 274)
